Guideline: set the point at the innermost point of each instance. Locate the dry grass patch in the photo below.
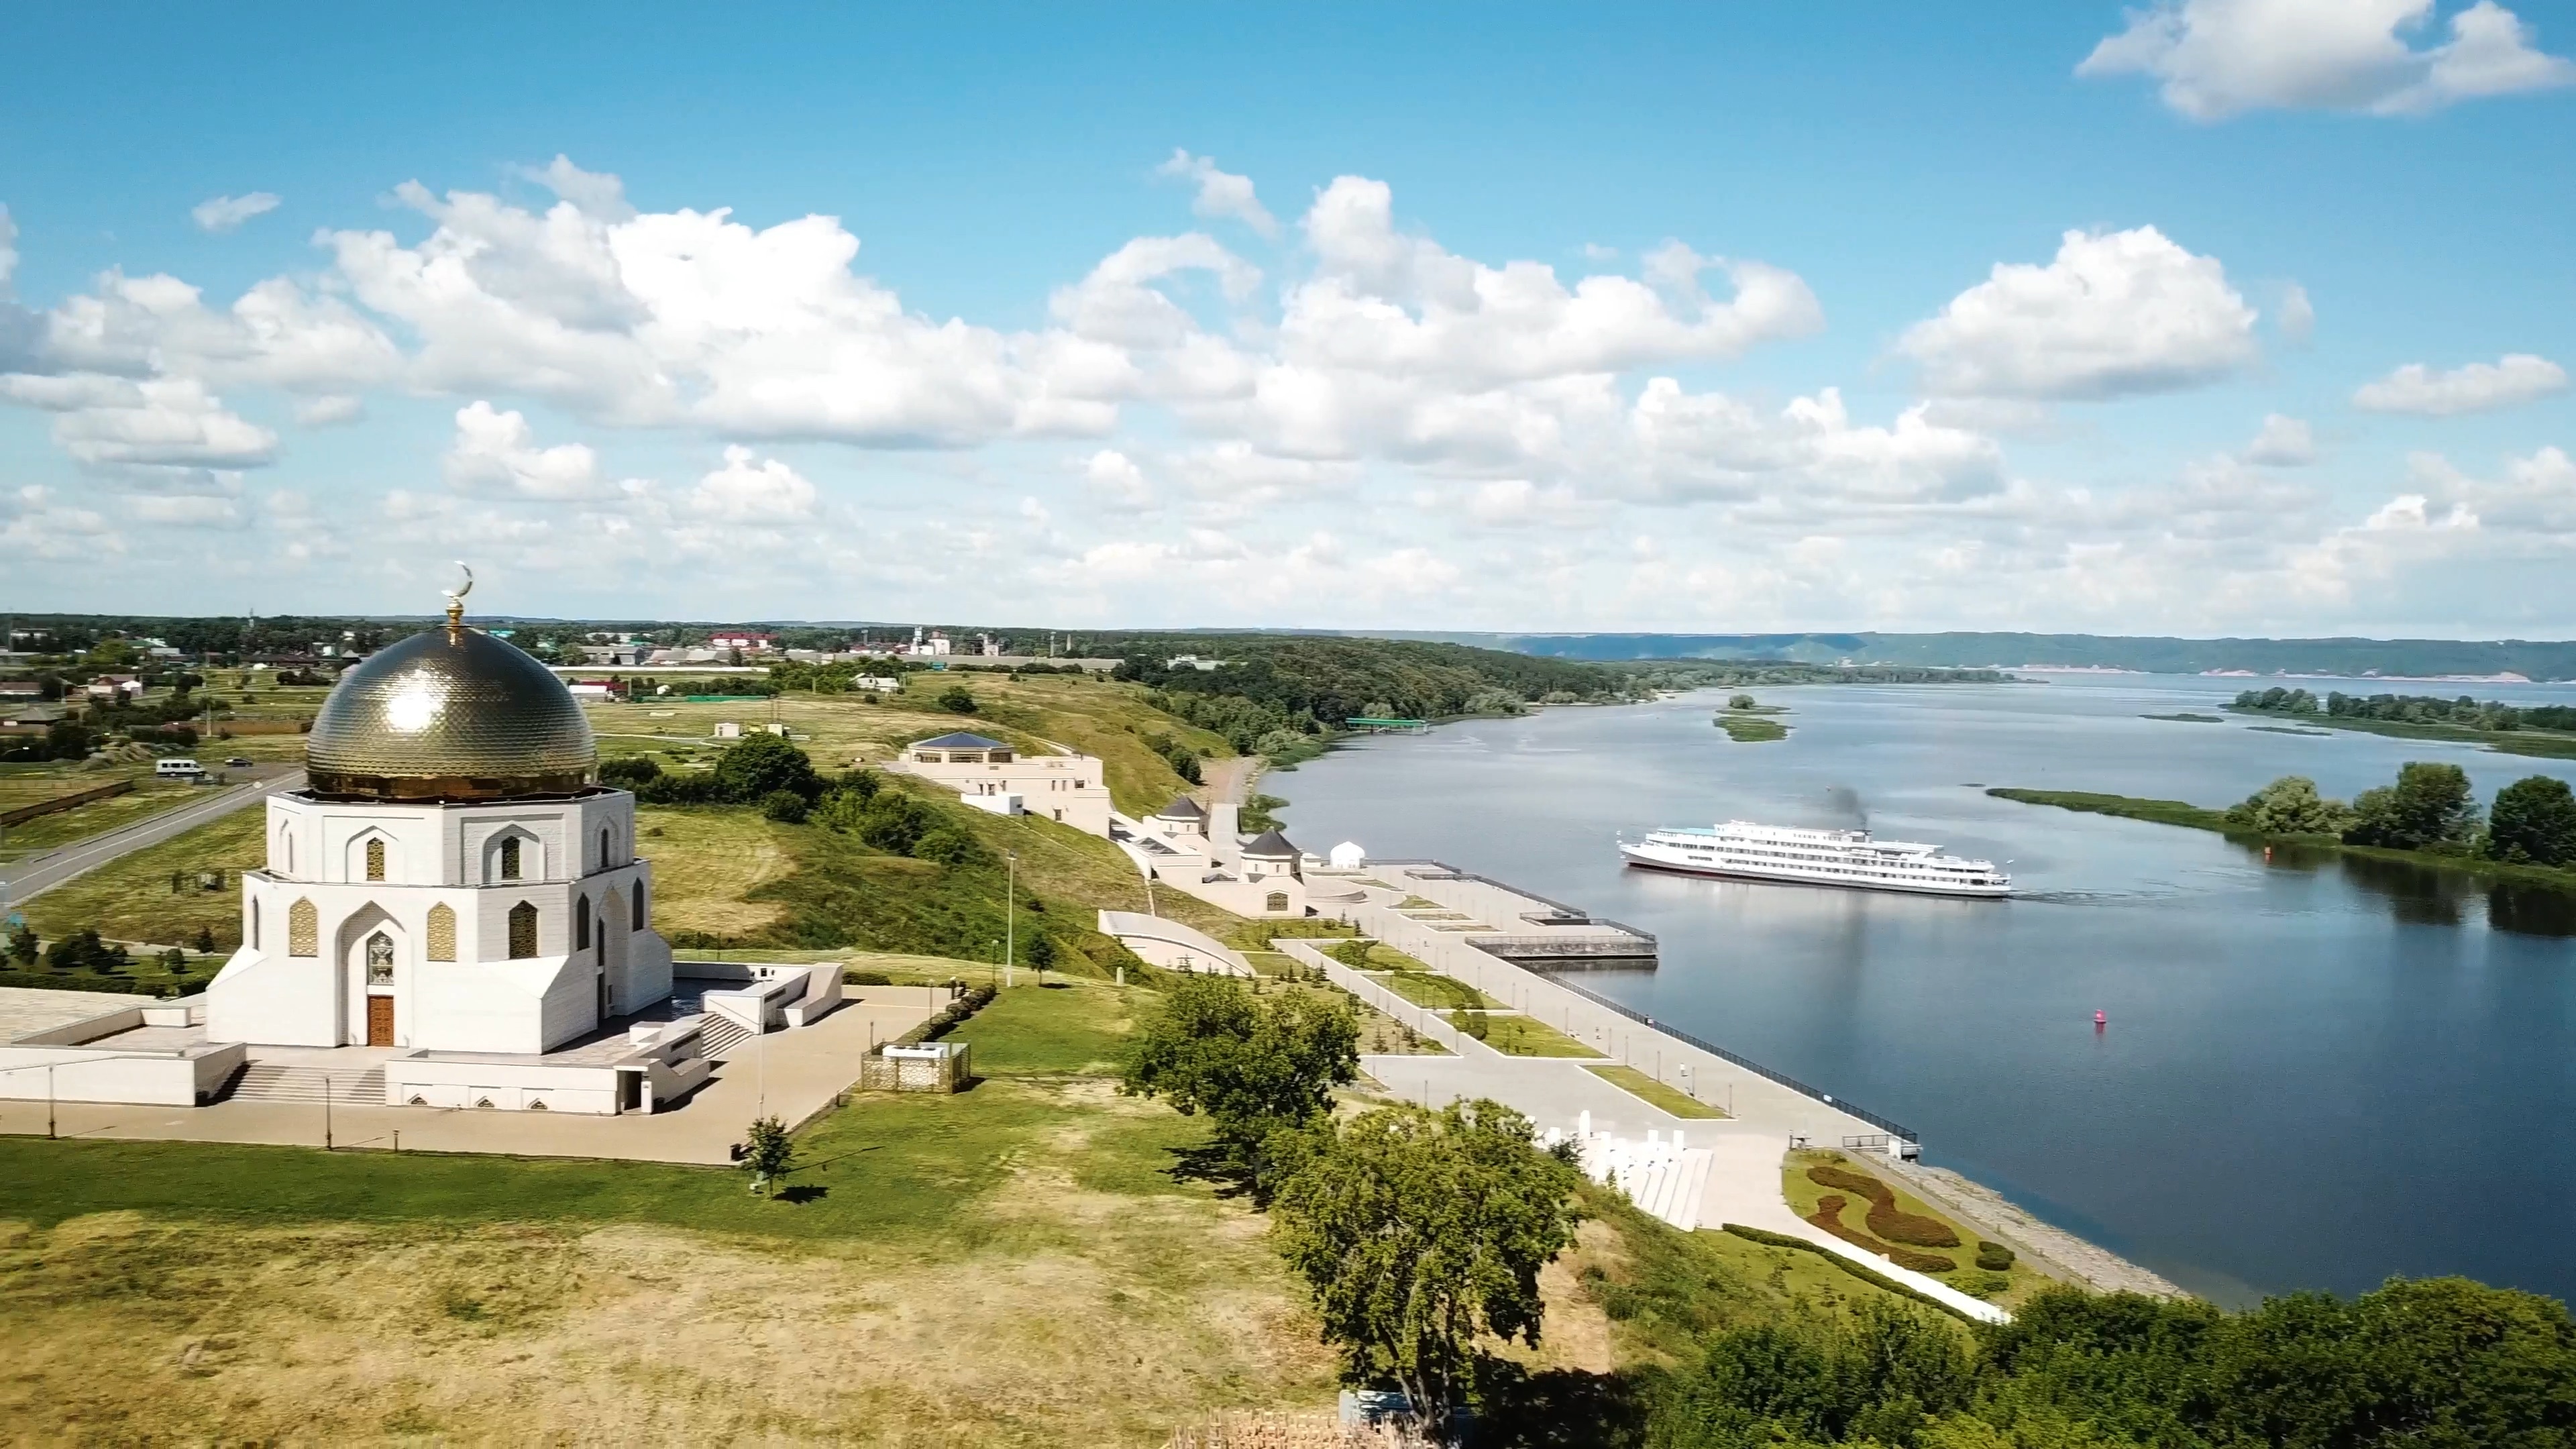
(706, 863)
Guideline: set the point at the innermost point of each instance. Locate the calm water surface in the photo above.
(2316, 1073)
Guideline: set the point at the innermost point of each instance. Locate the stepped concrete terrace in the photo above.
(791, 1074)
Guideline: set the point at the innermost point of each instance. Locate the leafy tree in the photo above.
(22, 947)
(949, 845)
(2291, 805)
(1042, 954)
(762, 764)
(956, 699)
(1421, 1232)
(629, 771)
(205, 942)
(2534, 821)
(767, 1153)
(84, 951)
(887, 820)
(785, 806)
(1740, 701)
(175, 961)
(2430, 807)
(1253, 1065)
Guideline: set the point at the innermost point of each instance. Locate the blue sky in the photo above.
(1682, 318)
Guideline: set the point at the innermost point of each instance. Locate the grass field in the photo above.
(130, 899)
(46, 832)
(1655, 1094)
(1019, 1264)
(1097, 717)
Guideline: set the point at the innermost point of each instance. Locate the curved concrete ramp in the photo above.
(1169, 943)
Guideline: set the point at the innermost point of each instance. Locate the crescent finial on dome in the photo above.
(456, 604)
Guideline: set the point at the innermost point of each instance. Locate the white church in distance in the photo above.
(450, 880)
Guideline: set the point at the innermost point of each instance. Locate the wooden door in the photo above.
(380, 1021)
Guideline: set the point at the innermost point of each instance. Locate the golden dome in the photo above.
(449, 714)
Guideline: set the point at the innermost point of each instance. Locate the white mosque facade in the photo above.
(484, 926)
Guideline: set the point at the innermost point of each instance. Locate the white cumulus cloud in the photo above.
(1220, 193)
(2116, 314)
(2214, 59)
(2518, 377)
(227, 213)
(750, 488)
(2283, 442)
(496, 453)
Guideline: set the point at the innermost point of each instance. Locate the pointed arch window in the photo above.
(581, 924)
(603, 847)
(376, 859)
(303, 929)
(254, 923)
(523, 931)
(442, 933)
(637, 919)
(510, 860)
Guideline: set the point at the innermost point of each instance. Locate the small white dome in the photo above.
(1348, 856)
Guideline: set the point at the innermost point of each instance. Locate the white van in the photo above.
(177, 768)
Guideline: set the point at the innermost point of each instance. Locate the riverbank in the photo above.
(2195, 817)
(2536, 744)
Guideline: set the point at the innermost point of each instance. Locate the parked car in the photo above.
(237, 762)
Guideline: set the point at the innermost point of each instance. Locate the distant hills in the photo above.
(2408, 658)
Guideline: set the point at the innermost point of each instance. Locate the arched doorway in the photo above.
(375, 965)
(612, 952)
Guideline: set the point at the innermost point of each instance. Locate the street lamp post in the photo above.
(326, 1112)
(1010, 913)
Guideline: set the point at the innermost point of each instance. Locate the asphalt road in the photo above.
(36, 875)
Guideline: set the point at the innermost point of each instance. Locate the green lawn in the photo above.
(1063, 1026)
(1428, 988)
(1523, 1036)
(1655, 1094)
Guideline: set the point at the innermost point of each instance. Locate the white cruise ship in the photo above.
(1815, 857)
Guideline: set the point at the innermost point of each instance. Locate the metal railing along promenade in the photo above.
(1839, 1104)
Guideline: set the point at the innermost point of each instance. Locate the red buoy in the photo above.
(2100, 1020)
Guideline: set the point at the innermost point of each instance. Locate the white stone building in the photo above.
(1069, 788)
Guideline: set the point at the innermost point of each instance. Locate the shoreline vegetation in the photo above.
(1747, 721)
(2540, 731)
(2195, 817)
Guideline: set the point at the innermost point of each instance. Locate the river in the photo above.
(2316, 1072)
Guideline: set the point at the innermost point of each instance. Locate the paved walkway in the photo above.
(791, 1074)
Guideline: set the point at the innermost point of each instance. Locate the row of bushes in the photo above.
(950, 1017)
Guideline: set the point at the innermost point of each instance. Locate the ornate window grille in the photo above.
(303, 929)
(442, 933)
(523, 931)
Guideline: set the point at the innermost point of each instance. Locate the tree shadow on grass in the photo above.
(1213, 1163)
(1521, 1409)
(804, 1192)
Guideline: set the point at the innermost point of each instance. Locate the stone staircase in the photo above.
(721, 1034)
(278, 1082)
